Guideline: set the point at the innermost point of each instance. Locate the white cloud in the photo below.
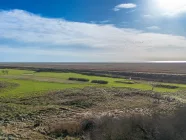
(153, 28)
(175, 12)
(109, 42)
(147, 16)
(131, 11)
(172, 7)
(124, 6)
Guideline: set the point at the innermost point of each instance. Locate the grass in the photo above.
(30, 87)
(75, 75)
(111, 81)
(16, 72)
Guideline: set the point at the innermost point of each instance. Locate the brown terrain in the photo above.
(173, 68)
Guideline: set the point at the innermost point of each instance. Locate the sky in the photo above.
(92, 30)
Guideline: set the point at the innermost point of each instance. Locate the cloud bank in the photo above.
(22, 32)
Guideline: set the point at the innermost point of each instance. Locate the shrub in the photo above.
(78, 79)
(166, 86)
(125, 82)
(99, 81)
(140, 127)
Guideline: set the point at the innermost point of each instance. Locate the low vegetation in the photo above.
(7, 85)
(62, 113)
(3, 85)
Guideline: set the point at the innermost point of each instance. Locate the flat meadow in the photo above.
(33, 83)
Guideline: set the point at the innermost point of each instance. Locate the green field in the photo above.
(36, 83)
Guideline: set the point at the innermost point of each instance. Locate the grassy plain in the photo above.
(36, 83)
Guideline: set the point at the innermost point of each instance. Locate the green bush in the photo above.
(78, 79)
(99, 81)
(125, 82)
(166, 86)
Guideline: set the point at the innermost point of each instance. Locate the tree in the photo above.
(5, 72)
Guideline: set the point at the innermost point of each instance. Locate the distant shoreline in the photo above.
(171, 67)
(132, 62)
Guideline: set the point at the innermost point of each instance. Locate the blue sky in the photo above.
(92, 30)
